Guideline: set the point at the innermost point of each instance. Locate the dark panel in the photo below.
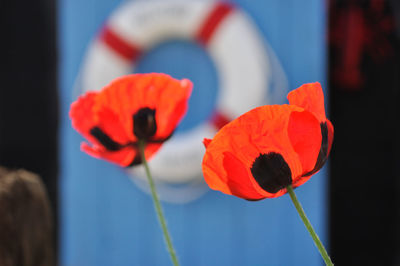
(364, 81)
(28, 93)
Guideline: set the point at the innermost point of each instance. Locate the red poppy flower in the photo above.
(260, 153)
(138, 106)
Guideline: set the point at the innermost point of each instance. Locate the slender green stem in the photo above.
(157, 206)
(309, 227)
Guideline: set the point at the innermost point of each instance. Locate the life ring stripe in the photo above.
(218, 120)
(213, 20)
(126, 50)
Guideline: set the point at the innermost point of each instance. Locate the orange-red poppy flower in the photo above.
(135, 107)
(260, 153)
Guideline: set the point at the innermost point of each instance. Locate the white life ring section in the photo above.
(228, 35)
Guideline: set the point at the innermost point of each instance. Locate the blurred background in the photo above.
(103, 218)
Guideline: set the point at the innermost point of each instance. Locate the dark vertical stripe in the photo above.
(364, 198)
(28, 94)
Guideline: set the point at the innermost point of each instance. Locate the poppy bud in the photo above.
(144, 123)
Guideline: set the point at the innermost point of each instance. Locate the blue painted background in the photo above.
(106, 220)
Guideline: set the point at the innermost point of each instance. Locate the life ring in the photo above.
(230, 38)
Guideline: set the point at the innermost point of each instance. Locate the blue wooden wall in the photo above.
(106, 220)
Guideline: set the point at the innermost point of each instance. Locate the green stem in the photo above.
(157, 206)
(309, 227)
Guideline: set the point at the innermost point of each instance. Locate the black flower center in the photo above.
(271, 172)
(144, 123)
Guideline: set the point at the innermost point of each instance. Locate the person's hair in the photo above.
(26, 229)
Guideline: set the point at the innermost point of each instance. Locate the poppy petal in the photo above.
(222, 169)
(110, 123)
(168, 96)
(125, 96)
(82, 115)
(173, 99)
(309, 96)
(123, 157)
(322, 154)
(305, 135)
(235, 180)
(261, 131)
(235, 170)
(86, 115)
(206, 142)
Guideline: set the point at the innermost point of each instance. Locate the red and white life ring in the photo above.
(228, 35)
